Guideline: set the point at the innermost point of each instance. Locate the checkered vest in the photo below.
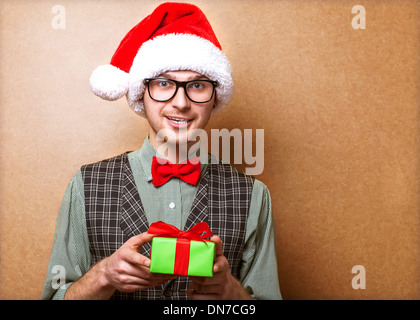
(114, 213)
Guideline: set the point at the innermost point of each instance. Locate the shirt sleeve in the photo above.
(70, 255)
(259, 274)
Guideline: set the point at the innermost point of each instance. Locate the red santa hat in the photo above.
(176, 36)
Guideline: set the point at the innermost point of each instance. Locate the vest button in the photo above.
(167, 292)
(167, 289)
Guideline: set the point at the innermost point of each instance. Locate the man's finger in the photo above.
(218, 245)
(139, 240)
(132, 256)
(133, 245)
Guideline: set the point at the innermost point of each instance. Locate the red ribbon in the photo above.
(163, 229)
(182, 251)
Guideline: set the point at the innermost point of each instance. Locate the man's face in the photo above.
(179, 116)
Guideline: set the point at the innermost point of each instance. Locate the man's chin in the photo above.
(180, 137)
(175, 136)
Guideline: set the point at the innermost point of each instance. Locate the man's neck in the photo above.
(173, 151)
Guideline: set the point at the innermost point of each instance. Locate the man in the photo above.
(173, 72)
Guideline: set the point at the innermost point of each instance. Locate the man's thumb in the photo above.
(139, 240)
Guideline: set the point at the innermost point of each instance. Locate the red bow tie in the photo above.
(163, 171)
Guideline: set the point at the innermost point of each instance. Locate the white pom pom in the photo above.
(109, 82)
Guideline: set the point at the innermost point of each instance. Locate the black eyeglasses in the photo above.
(198, 91)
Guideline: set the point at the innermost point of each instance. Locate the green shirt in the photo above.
(171, 203)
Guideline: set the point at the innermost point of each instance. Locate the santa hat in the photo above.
(176, 36)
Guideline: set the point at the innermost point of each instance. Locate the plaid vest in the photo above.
(114, 213)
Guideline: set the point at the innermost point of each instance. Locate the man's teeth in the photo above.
(178, 120)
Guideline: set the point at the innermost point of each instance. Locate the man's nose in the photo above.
(181, 100)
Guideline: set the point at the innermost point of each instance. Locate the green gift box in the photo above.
(180, 255)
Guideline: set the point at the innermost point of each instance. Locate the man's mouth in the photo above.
(178, 122)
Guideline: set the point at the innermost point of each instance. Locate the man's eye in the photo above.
(197, 85)
(164, 84)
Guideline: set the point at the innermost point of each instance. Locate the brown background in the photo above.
(340, 110)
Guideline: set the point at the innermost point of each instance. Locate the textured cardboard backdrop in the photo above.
(340, 110)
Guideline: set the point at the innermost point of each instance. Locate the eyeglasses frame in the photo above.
(181, 84)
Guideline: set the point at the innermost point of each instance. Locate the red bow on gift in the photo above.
(163, 171)
(163, 229)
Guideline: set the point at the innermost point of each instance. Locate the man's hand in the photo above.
(222, 286)
(125, 270)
